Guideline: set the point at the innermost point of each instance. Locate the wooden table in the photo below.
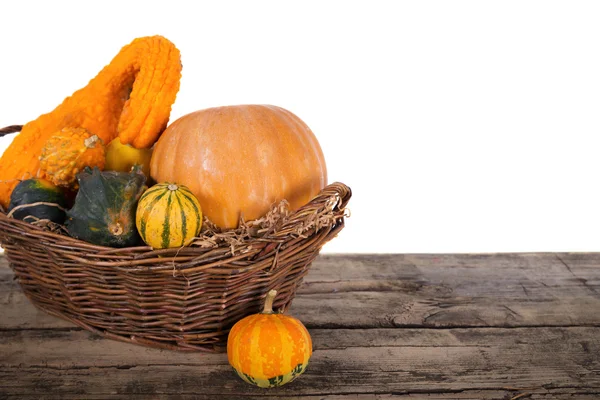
(494, 326)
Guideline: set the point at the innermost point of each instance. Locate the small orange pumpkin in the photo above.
(269, 349)
(68, 152)
(239, 160)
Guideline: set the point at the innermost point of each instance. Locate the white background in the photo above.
(461, 126)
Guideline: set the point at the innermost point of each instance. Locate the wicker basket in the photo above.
(180, 299)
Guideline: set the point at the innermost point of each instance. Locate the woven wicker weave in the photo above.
(181, 299)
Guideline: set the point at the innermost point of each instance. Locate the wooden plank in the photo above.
(379, 309)
(465, 274)
(508, 394)
(437, 291)
(508, 295)
(345, 362)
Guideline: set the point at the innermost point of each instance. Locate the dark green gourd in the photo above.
(104, 210)
(32, 191)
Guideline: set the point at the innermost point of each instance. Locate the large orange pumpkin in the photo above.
(239, 160)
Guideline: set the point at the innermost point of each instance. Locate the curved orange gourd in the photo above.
(131, 97)
(240, 160)
(269, 349)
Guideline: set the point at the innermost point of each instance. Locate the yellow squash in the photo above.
(123, 157)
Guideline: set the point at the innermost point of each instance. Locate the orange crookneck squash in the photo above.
(269, 349)
(240, 160)
(130, 98)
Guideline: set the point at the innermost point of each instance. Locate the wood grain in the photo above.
(495, 326)
(417, 291)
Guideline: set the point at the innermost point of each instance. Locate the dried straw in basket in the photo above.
(180, 299)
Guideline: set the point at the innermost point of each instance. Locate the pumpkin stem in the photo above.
(172, 186)
(90, 142)
(269, 302)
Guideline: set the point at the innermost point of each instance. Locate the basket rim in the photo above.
(332, 199)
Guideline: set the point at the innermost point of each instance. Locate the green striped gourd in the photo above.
(168, 215)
